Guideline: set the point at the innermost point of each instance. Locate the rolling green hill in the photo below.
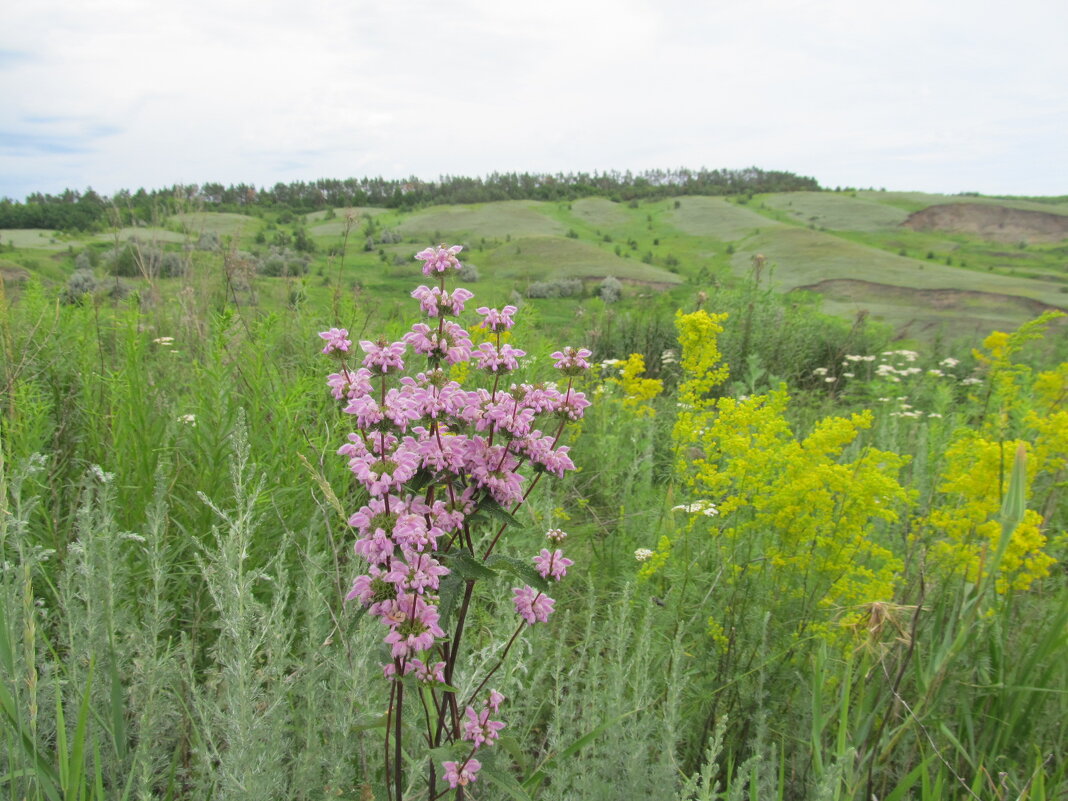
(851, 247)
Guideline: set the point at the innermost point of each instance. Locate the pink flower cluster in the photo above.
(535, 606)
(480, 731)
(497, 320)
(337, 340)
(572, 361)
(440, 259)
(430, 454)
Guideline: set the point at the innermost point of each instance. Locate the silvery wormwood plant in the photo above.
(445, 469)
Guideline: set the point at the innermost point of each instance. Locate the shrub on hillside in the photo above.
(209, 240)
(610, 290)
(135, 259)
(469, 274)
(282, 262)
(557, 288)
(80, 284)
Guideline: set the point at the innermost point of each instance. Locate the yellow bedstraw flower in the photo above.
(798, 520)
(966, 519)
(636, 390)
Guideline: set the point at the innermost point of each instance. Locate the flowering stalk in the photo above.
(437, 462)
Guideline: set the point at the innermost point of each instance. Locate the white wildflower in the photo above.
(556, 535)
(706, 508)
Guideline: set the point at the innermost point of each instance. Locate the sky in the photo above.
(926, 95)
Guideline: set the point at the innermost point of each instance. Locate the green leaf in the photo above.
(533, 781)
(492, 509)
(520, 569)
(515, 751)
(369, 724)
(1014, 503)
(449, 753)
(906, 783)
(420, 480)
(77, 758)
(45, 773)
(448, 593)
(464, 564)
(503, 780)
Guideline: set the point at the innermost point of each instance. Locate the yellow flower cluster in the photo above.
(1049, 419)
(699, 337)
(636, 389)
(977, 466)
(973, 481)
(1009, 380)
(812, 515)
(797, 517)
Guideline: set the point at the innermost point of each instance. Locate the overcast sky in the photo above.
(934, 95)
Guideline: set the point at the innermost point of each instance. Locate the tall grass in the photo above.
(173, 564)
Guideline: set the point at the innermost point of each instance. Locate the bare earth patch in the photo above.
(921, 312)
(12, 273)
(996, 223)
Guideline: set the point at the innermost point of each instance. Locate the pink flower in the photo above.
(337, 339)
(429, 673)
(531, 605)
(498, 360)
(389, 670)
(496, 320)
(437, 302)
(571, 407)
(453, 344)
(382, 356)
(479, 729)
(439, 259)
(416, 627)
(553, 564)
(421, 571)
(494, 701)
(572, 361)
(461, 775)
(349, 384)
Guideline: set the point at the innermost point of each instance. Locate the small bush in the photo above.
(557, 288)
(172, 265)
(135, 259)
(209, 240)
(469, 274)
(610, 290)
(282, 262)
(80, 284)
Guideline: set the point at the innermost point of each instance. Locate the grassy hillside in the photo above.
(850, 246)
(489, 220)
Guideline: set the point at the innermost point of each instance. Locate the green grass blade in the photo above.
(77, 757)
(906, 783)
(532, 782)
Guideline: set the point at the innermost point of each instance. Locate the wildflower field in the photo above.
(711, 545)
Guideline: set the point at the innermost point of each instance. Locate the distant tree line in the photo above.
(73, 210)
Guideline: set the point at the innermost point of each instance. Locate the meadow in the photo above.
(811, 560)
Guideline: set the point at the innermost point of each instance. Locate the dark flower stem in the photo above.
(500, 661)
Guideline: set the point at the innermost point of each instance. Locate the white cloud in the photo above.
(939, 96)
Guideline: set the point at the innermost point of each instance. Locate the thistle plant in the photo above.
(445, 469)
